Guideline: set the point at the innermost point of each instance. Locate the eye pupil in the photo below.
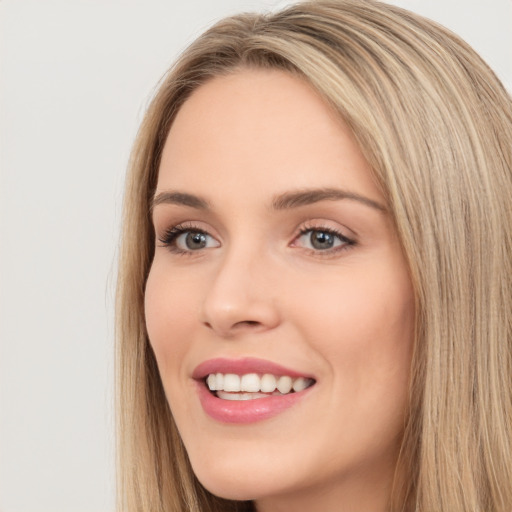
(195, 240)
(322, 240)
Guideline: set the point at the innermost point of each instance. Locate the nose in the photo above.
(241, 298)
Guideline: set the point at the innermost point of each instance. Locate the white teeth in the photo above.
(211, 381)
(250, 382)
(239, 396)
(284, 384)
(231, 382)
(252, 385)
(268, 383)
(300, 384)
(219, 379)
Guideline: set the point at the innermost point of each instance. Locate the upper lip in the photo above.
(244, 366)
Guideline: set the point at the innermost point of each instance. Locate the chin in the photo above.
(236, 485)
(232, 489)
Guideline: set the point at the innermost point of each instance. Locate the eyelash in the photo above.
(171, 235)
(346, 243)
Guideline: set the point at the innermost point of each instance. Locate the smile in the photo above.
(248, 390)
(250, 386)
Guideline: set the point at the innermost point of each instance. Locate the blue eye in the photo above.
(322, 239)
(184, 239)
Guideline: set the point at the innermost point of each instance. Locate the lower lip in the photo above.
(246, 411)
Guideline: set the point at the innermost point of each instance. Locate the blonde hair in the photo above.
(436, 126)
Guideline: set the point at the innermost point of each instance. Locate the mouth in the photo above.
(253, 386)
(249, 390)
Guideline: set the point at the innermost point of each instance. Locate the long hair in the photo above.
(435, 124)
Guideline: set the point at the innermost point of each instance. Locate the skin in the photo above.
(261, 289)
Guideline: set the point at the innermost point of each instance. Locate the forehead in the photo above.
(262, 129)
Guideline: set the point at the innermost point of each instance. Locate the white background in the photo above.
(75, 77)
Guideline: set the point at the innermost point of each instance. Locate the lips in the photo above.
(248, 390)
(243, 366)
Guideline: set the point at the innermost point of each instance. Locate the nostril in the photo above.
(249, 323)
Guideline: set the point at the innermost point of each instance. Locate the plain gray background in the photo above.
(75, 77)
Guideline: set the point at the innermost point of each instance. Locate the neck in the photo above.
(359, 493)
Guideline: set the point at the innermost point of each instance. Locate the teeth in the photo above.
(268, 383)
(211, 381)
(231, 382)
(284, 384)
(250, 382)
(252, 385)
(239, 396)
(300, 384)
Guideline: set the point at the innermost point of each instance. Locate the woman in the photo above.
(315, 279)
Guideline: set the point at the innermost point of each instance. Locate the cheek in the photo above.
(169, 309)
(363, 322)
(356, 302)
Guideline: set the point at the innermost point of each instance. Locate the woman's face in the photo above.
(277, 264)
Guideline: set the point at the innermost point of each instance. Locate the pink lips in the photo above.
(247, 411)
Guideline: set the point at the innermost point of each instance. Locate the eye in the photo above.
(182, 239)
(322, 239)
(193, 240)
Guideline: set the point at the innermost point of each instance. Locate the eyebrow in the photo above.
(180, 199)
(285, 201)
(311, 196)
